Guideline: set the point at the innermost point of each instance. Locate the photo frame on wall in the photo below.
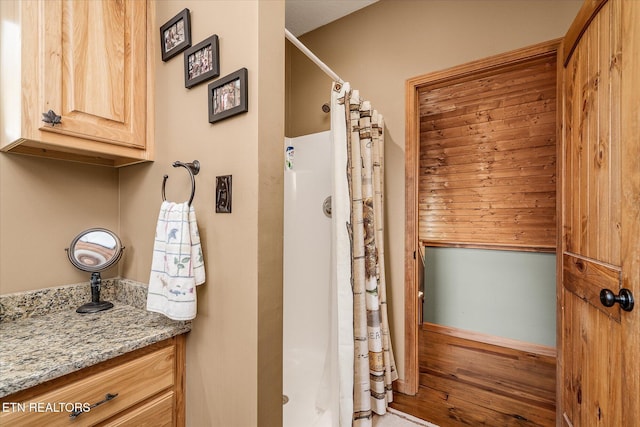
(175, 35)
(228, 96)
(201, 62)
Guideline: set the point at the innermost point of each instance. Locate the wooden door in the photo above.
(94, 69)
(599, 357)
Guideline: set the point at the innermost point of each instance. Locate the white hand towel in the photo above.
(178, 265)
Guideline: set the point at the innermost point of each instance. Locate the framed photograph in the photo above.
(228, 96)
(201, 62)
(175, 35)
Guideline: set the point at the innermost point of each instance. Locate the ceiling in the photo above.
(302, 16)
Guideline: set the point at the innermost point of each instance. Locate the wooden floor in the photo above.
(465, 382)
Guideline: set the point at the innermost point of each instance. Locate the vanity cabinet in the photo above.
(148, 385)
(91, 63)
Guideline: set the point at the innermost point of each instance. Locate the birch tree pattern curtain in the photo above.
(358, 182)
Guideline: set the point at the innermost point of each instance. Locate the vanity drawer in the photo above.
(132, 381)
(157, 412)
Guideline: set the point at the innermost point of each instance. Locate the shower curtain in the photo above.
(365, 359)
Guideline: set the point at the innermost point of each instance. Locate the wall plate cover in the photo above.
(223, 194)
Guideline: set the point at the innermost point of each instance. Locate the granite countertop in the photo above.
(38, 345)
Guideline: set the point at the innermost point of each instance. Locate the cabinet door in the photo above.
(94, 69)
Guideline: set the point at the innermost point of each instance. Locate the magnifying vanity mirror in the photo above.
(95, 250)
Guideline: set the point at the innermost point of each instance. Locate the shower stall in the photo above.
(338, 362)
(309, 386)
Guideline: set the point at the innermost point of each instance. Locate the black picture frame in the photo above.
(175, 35)
(228, 96)
(201, 62)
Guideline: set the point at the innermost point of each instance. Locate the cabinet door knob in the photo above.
(52, 118)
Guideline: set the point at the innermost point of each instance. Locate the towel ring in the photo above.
(193, 168)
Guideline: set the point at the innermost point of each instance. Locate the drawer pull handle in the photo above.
(107, 397)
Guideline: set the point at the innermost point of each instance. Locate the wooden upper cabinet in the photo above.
(93, 70)
(91, 62)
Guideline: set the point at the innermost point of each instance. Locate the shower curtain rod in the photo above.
(312, 56)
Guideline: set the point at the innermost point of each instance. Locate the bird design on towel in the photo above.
(172, 234)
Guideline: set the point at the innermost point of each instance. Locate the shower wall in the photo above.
(307, 382)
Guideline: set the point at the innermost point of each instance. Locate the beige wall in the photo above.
(404, 39)
(234, 352)
(44, 204)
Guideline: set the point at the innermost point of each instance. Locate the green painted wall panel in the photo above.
(502, 293)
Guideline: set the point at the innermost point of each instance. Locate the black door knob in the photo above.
(625, 299)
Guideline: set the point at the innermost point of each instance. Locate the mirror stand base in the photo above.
(94, 307)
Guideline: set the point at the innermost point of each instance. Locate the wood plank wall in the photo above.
(484, 155)
(467, 379)
(487, 166)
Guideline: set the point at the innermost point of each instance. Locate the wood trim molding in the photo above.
(412, 145)
(509, 343)
(180, 409)
(433, 244)
(559, 212)
(152, 52)
(580, 23)
(630, 169)
(483, 65)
